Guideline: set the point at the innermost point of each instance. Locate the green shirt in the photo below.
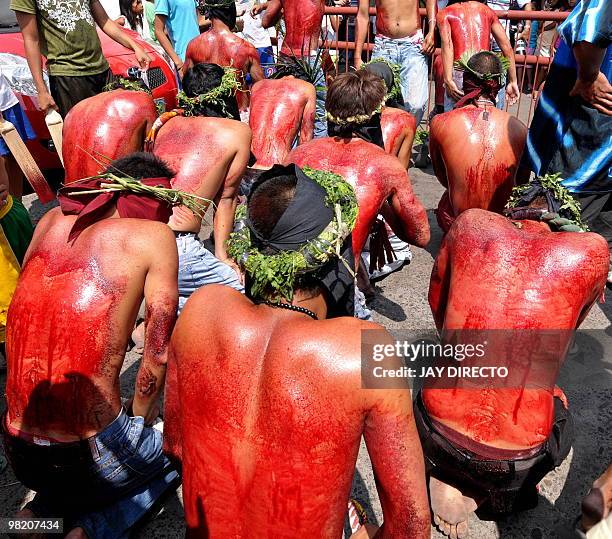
(149, 9)
(68, 36)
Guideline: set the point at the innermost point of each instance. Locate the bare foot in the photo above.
(597, 504)
(450, 509)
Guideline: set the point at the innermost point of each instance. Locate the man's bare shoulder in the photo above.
(231, 131)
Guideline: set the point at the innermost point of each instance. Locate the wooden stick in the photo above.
(55, 124)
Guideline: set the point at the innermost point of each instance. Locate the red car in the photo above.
(161, 78)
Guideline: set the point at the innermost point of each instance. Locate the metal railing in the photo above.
(531, 68)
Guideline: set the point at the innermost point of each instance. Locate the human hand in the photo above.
(358, 61)
(597, 93)
(452, 90)
(232, 264)
(257, 9)
(512, 93)
(120, 21)
(46, 102)
(142, 57)
(429, 44)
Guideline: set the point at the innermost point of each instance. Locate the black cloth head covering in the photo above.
(370, 131)
(304, 219)
(382, 70)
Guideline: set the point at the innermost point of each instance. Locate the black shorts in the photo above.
(68, 91)
(508, 485)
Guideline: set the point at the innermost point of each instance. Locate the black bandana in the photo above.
(227, 15)
(370, 131)
(304, 219)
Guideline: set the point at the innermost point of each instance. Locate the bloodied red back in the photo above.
(70, 319)
(270, 417)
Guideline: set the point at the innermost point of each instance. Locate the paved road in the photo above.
(401, 302)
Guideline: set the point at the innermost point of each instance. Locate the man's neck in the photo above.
(219, 26)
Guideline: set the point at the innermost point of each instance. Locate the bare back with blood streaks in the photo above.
(469, 24)
(270, 418)
(398, 128)
(223, 48)
(66, 341)
(303, 20)
(491, 274)
(376, 176)
(105, 127)
(475, 158)
(200, 150)
(280, 111)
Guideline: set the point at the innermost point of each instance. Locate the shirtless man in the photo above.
(399, 39)
(282, 112)
(105, 127)
(221, 46)
(302, 32)
(66, 433)
(353, 153)
(476, 149)
(505, 421)
(210, 153)
(398, 126)
(466, 27)
(264, 453)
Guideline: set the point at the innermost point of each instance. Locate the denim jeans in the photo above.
(199, 267)
(320, 126)
(414, 73)
(105, 484)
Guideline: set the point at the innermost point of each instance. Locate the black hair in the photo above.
(268, 201)
(226, 14)
(289, 68)
(486, 63)
(202, 78)
(135, 21)
(140, 165)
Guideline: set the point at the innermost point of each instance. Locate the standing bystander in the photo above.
(65, 33)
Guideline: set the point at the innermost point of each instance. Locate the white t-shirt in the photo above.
(112, 8)
(253, 31)
(7, 98)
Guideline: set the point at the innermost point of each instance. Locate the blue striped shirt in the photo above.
(551, 132)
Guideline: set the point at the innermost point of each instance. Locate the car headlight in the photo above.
(15, 69)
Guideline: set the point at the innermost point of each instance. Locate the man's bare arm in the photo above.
(308, 117)
(361, 29)
(272, 14)
(504, 44)
(438, 285)
(255, 70)
(448, 54)
(436, 155)
(31, 42)
(397, 460)
(113, 30)
(161, 299)
(429, 44)
(227, 200)
(164, 40)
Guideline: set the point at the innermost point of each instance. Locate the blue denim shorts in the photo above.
(105, 484)
(199, 267)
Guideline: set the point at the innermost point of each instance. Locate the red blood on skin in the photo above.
(396, 124)
(68, 327)
(223, 48)
(280, 111)
(491, 274)
(303, 20)
(475, 158)
(469, 24)
(270, 420)
(375, 176)
(103, 128)
(199, 150)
